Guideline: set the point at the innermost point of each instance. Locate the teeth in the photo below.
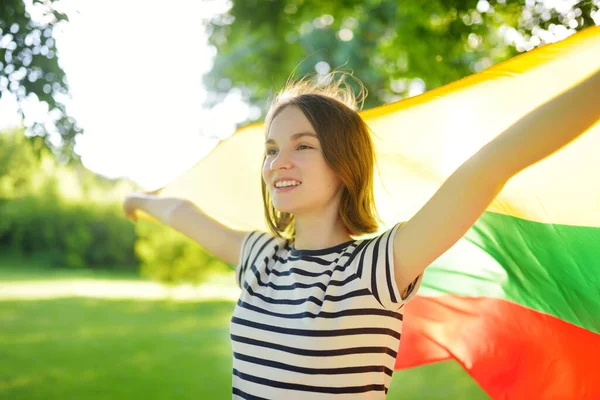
(286, 183)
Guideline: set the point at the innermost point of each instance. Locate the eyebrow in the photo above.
(296, 136)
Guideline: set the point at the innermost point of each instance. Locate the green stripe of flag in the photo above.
(550, 268)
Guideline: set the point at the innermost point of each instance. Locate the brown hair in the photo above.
(347, 148)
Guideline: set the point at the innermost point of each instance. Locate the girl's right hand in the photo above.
(130, 205)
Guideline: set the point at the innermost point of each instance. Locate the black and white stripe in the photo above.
(316, 323)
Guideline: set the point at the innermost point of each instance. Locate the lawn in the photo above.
(91, 348)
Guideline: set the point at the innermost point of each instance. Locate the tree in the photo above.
(29, 67)
(396, 48)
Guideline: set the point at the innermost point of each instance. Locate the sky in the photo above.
(135, 74)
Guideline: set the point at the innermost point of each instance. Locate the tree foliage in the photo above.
(396, 48)
(30, 69)
(68, 216)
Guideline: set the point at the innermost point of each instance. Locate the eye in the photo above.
(270, 152)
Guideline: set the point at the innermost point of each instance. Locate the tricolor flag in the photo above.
(517, 300)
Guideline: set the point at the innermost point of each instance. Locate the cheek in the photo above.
(266, 171)
(265, 178)
(335, 183)
(328, 178)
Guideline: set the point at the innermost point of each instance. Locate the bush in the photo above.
(69, 234)
(69, 216)
(170, 257)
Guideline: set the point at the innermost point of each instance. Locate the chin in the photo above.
(285, 206)
(289, 210)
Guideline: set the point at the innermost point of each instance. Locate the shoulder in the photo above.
(373, 261)
(375, 248)
(255, 246)
(257, 242)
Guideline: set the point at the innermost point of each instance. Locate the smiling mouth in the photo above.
(285, 188)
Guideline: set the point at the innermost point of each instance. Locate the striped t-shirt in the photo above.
(314, 324)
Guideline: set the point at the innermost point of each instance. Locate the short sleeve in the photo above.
(374, 261)
(253, 245)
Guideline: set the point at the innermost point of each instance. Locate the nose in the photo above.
(281, 161)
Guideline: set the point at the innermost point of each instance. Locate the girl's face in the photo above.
(293, 152)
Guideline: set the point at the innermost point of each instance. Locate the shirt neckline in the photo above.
(319, 252)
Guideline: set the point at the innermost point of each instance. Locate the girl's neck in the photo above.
(318, 235)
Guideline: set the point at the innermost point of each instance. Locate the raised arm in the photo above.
(183, 216)
(467, 193)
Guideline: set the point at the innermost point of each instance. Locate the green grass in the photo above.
(14, 268)
(81, 348)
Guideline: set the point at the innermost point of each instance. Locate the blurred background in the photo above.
(102, 98)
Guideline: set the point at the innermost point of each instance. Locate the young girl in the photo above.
(320, 313)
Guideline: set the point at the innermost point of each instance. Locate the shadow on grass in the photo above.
(122, 349)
